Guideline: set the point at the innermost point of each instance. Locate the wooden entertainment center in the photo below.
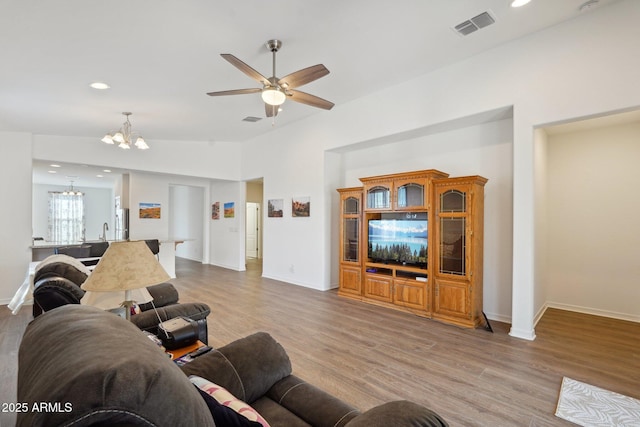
(413, 241)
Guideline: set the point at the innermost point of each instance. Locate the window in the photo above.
(66, 217)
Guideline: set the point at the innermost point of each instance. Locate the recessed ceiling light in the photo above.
(53, 171)
(99, 85)
(99, 176)
(518, 3)
(55, 166)
(106, 170)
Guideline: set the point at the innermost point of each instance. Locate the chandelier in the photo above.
(71, 191)
(124, 137)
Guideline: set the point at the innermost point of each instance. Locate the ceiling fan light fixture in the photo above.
(273, 96)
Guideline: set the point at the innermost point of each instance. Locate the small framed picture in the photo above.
(275, 208)
(301, 206)
(150, 210)
(229, 210)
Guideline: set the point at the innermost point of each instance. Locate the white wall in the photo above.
(541, 242)
(186, 207)
(592, 207)
(227, 234)
(15, 216)
(98, 209)
(294, 249)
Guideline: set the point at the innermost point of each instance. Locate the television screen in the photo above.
(398, 241)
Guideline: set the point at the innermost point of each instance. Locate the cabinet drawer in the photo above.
(378, 287)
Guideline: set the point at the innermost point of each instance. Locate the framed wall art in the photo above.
(301, 207)
(275, 208)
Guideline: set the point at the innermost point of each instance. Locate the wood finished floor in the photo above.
(367, 355)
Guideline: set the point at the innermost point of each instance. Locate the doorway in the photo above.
(253, 226)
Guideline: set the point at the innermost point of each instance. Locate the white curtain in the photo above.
(66, 217)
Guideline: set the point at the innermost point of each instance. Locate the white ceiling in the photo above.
(161, 57)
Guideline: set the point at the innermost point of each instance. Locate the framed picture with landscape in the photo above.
(150, 210)
(275, 208)
(229, 210)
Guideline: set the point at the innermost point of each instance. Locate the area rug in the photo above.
(587, 405)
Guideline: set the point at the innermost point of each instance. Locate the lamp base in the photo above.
(128, 305)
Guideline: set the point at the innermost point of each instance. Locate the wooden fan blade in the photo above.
(314, 101)
(245, 68)
(234, 92)
(271, 110)
(304, 76)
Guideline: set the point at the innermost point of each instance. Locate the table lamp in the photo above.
(127, 267)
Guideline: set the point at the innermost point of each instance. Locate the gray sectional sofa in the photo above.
(93, 368)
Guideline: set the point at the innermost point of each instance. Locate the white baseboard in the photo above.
(498, 317)
(593, 311)
(524, 334)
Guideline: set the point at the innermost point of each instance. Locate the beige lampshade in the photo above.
(125, 266)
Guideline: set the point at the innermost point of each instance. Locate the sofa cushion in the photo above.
(105, 370)
(227, 400)
(248, 367)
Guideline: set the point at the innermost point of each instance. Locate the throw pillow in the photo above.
(224, 416)
(226, 399)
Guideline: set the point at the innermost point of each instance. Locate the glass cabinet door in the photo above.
(452, 219)
(378, 197)
(410, 195)
(351, 206)
(350, 239)
(452, 246)
(350, 227)
(453, 201)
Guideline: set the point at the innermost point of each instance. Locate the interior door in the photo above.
(253, 230)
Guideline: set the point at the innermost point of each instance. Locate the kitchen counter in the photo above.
(40, 249)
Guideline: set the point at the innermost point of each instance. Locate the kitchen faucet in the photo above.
(105, 228)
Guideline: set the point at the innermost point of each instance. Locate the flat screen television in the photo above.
(401, 241)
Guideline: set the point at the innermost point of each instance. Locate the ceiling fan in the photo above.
(276, 90)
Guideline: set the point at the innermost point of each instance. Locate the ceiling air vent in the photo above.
(474, 24)
(251, 119)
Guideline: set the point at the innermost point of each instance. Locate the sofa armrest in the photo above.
(398, 413)
(313, 405)
(163, 294)
(51, 292)
(148, 320)
(247, 368)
